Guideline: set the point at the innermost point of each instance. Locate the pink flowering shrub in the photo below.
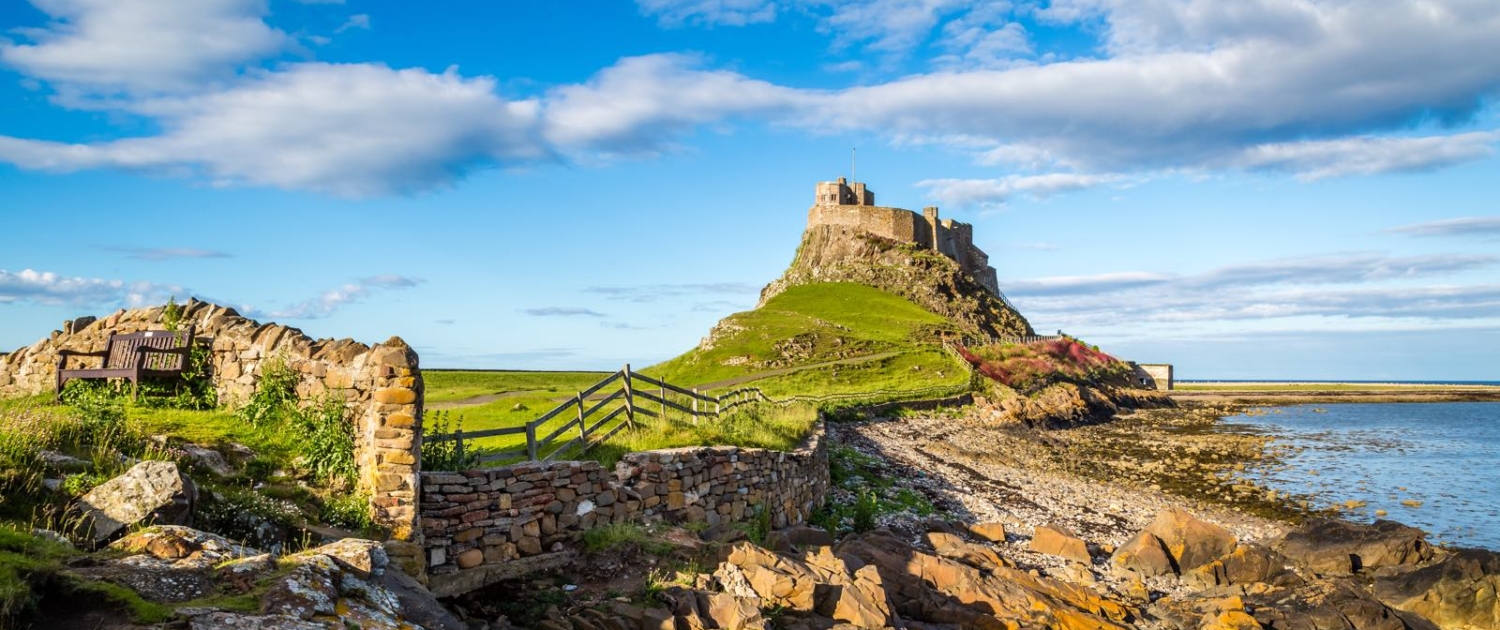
(1031, 367)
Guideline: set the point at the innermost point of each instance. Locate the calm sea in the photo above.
(1432, 465)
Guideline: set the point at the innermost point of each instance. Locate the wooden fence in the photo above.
(584, 420)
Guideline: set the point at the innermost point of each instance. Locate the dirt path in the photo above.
(728, 382)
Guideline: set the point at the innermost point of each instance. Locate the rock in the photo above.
(1144, 554)
(52, 536)
(993, 532)
(63, 463)
(1053, 540)
(168, 563)
(861, 602)
(953, 547)
(1339, 604)
(237, 621)
(1190, 542)
(722, 533)
(240, 576)
(207, 459)
(1459, 591)
(473, 557)
(926, 588)
(310, 589)
(363, 558)
(151, 492)
(798, 537)
(1247, 564)
(1336, 547)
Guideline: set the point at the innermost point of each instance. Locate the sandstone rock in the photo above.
(1459, 591)
(1190, 542)
(1339, 604)
(474, 557)
(993, 532)
(954, 547)
(1336, 547)
(1056, 541)
(1144, 554)
(930, 589)
(798, 537)
(151, 492)
(1247, 564)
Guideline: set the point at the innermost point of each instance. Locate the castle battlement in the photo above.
(852, 205)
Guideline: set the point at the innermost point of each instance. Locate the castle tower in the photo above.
(843, 193)
(930, 213)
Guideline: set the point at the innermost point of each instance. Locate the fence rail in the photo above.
(588, 415)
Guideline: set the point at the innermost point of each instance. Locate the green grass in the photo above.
(837, 321)
(444, 386)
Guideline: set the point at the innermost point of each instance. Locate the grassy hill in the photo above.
(820, 339)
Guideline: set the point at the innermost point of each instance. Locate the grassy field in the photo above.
(445, 386)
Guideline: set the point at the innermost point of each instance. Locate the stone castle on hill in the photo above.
(852, 205)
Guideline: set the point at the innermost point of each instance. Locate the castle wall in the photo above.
(381, 386)
(892, 223)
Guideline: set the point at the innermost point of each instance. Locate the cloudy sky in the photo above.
(1253, 189)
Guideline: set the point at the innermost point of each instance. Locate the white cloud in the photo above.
(51, 289)
(143, 46)
(1342, 286)
(1466, 226)
(994, 192)
(351, 130)
(673, 13)
(638, 104)
(156, 254)
(333, 299)
(1365, 155)
(358, 20)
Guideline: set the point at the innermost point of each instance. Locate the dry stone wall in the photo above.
(380, 384)
(476, 522)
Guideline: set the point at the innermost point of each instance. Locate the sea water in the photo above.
(1431, 465)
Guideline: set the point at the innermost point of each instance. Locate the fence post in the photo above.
(629, 399)
(458, 436)
(583, 426)
(695, 405)
(531, 441)
(718, 400)
(663, 401)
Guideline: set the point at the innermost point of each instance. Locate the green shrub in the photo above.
(444, 455)
(328, 450)
(866, 507)
(350, 511)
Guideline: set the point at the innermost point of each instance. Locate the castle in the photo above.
(841, 203)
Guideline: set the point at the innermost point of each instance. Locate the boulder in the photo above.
(207, 459)
(1336, 547)
(1190, 542)
(151, 492)
(992, 531)
(363, 558)
(1247, 564)
(1459, 591)
(1336, 604)
(167, 564)
(1144, 554)
(1054, 540)
(798, 537)
(956, 548)
(310, 589)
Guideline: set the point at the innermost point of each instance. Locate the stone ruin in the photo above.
(381, 386)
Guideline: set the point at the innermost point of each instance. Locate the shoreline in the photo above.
(1286, 394)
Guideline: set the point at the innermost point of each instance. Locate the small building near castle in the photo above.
(849, 204)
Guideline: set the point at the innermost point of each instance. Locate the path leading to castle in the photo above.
(728, 382)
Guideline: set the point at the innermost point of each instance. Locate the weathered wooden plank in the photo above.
(550, 414)
(654, 398)
(604, 401)
(471, 435)
(561, 449)
(601, 384)
(553, 435)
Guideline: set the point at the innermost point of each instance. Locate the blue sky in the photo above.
(1258, 189)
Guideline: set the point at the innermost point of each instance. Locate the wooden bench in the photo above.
(133, 356)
